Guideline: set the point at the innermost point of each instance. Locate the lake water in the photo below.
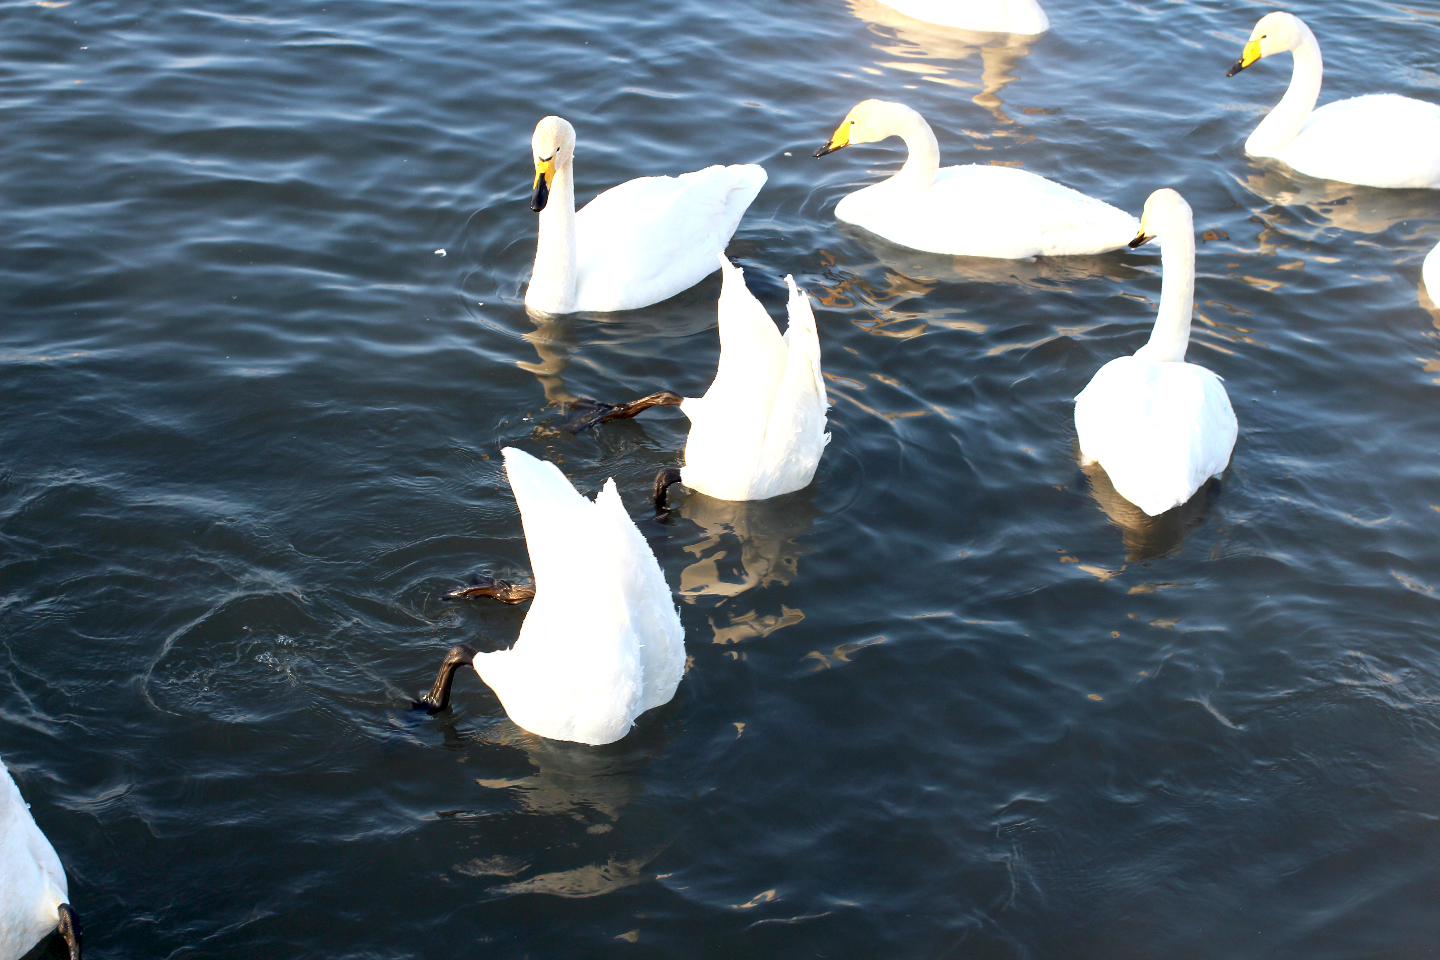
(938, 704)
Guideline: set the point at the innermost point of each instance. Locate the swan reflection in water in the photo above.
(923, 47)
(1147, 537)
(745, 545)
(1345, 205)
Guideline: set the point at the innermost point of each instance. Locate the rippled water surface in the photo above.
(263, 339)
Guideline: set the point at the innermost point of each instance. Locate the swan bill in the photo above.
(839, 140)
(69, 928)
(1141, 238)
(544, 176)
(1249, 55)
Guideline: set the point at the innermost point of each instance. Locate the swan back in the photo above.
(759, 429)
(602, 642)
(32, 881)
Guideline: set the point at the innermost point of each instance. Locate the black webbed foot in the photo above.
(69, 928)
(488, 585)
(581, 415)
(439, 696)
(663, 480)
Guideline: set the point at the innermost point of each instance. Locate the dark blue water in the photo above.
(939, 704)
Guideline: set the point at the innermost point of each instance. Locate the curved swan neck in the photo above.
(1171, 334)
(924, 159)
(1283, 123)
(552, 281)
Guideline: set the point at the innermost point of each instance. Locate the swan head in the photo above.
(867, 122)
(1165, 210)
(553, 146)
(1275, 33)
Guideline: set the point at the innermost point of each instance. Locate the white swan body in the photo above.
(974, 210)
(1158, 425)
(637, 243)
(998, 16)
(1378, 140)
(602, 642)
(1430, 273)
(32, 881)
(759, 430)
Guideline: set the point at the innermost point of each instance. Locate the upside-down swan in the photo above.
(637, 243)
(997, 16)
(34, 897)
(759, 430)
(1378, 140)
(1158, 425)
(601, 642)
(972, 211)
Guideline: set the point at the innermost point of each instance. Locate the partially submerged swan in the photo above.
(759, 430)
(974, 210)
(602, 641)
(637, 243)
(1378, 140)
(34, 897)
(1430, 273)
(998, 16)
(1158, 425)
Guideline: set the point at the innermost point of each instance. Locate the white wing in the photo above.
(1379, 140)
(795, 434)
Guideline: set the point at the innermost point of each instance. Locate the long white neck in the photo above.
(1171, 334)
(552, 281)
(1284, 122)
(924, 160)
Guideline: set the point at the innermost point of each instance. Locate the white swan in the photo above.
(974, 210)
(34, 898)
(997, 16)
(637, 243)
(1158, 425)
(1378, 140)
(759, 430)
(1430, 273)
(602, 641)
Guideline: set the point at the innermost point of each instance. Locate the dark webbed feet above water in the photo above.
(439, 696)
(663, 479)
(69, 927)
(487, 585)
(584, 414)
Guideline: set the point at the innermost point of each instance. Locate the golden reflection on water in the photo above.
(921, 49)
(1345, 205)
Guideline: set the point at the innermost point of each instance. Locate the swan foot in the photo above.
(581, 415)
(69, 927)
(488, 585)
(439, 696)
(663, 479)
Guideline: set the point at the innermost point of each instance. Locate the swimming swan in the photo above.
(974, 210)
(33, 893)
(997, 16)
(637, 243)
(1158, 425)
(760, 429)
(602, 642)
(1378, 140)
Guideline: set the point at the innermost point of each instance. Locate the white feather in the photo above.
(32, 881)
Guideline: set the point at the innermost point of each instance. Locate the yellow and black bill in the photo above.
(544, 176)
(1141, 238)
(840, 139)
(1249, 55)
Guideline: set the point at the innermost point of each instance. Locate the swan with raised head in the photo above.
(34, 897)
(1378, 140)
(1158, 425)
(995, 16)
(602, 641)
(759, 430)
(971, 211)
(637, 243)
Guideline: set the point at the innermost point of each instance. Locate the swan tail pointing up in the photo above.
(31, 878)
(795, 434)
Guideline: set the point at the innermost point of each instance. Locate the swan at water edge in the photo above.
(996, 16)
(34, 897)
(601, 642)
(637, 243)
(759, 430)
(1378, 140)
(972, 211)
(1158, 425)
(1430, 273)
